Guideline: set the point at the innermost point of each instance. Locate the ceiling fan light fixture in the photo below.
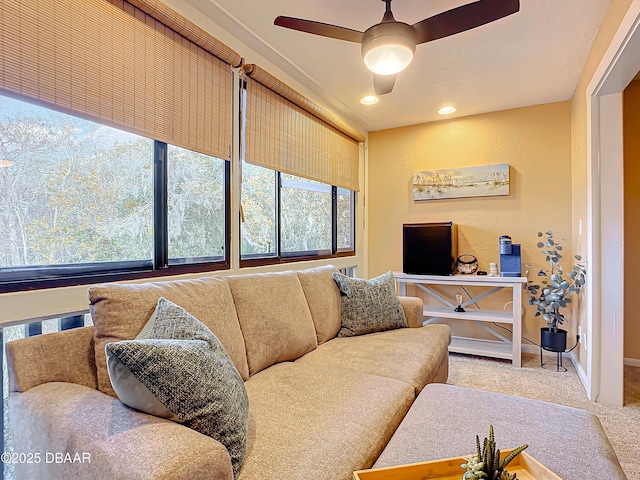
(388, 48)
(388, 59)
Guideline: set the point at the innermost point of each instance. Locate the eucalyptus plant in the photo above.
(553, 286)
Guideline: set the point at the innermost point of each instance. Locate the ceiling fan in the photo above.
(388, 47)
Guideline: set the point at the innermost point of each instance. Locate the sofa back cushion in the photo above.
(120, 311)
(274, 318)
(323, 298)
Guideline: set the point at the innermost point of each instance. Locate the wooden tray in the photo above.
(524, 465)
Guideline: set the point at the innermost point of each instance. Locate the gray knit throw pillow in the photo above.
(369, 305)
(178, 369)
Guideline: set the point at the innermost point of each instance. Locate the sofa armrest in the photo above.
(104, 439)
(66, 356)
(412, 307)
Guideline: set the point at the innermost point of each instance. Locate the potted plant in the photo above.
(551, 290)
(486, 464)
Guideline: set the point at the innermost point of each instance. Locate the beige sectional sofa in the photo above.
(320, 406)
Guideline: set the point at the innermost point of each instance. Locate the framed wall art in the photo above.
(483, 181)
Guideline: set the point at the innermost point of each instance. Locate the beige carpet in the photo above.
(622, 424)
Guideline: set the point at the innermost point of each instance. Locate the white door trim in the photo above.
(605, 287)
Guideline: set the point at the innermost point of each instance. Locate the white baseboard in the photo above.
(582, 375)
(632, 362)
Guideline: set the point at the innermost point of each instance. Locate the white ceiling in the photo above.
(532, 57)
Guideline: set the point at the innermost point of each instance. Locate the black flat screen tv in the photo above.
(429, 248)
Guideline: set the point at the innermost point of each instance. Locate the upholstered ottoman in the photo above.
(444, 420)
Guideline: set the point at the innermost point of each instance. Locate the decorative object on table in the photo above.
(466, 264)
(510, 259)
(493, 269)
(486, 462)
(483, 181)
(459, 301)
(550, 293)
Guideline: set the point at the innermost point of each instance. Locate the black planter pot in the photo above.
(553, 341)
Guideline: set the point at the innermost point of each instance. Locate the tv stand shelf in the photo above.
(503, 347)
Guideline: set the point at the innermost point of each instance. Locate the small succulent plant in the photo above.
(486, 463)
(551, 291)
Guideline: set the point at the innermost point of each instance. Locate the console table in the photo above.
(503, 347)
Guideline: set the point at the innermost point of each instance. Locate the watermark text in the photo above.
(45, 457)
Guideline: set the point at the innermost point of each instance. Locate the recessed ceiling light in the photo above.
(369, 100)
(447, 110)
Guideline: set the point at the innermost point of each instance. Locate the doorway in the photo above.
(605, 308)
(631, 125)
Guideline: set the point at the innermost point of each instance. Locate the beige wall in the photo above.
(535, 141)
(579, 161)
(631, 120)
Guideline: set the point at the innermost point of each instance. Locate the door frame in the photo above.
(605, 193)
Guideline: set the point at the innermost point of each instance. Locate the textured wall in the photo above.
(579, 160)
(631, 121)
(535, 141)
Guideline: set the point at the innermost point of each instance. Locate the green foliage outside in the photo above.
(305, 214)
(73, 191)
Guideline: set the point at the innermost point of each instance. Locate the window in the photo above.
(345, 219)
(197, 206)
(305, 216)
(77, 199)
(287, 138)
(72, 191)
(286, 217)
(259, 213)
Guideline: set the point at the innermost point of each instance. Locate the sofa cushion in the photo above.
(122, 443)
(318, 423)
(412, 355)
(323, 298)
(369, 305)
(177, 369)
(120, 311)
(274, 318)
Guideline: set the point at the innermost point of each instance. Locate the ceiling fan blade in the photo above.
(383, 84)
(318, 28)
(464, 18)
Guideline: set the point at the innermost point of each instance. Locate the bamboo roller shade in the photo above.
(109, 61)
(285, 131)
